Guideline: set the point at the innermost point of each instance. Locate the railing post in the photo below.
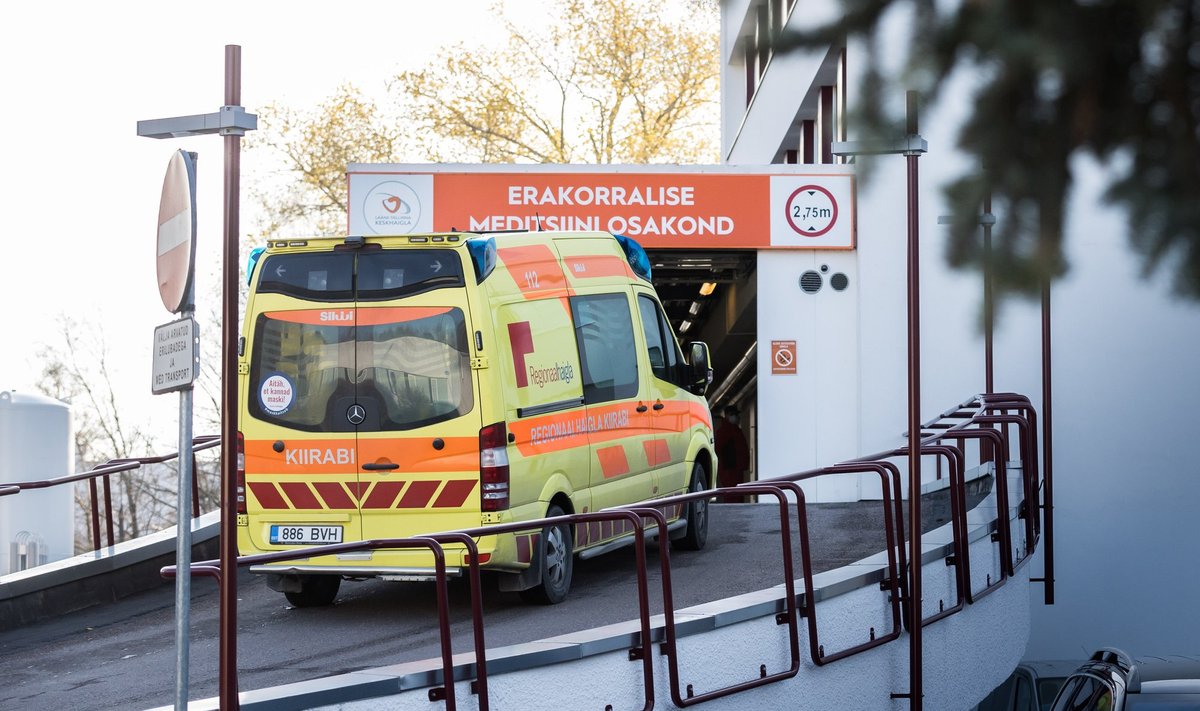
(1047, 449)
(95, 514)
(195, 487)
(108, 512)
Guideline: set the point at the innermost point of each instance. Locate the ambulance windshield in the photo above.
(405, 367)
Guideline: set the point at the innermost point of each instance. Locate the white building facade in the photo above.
(1125, 351)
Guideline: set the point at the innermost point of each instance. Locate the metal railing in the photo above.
(466, 538)
(987, 419)
(103, 472)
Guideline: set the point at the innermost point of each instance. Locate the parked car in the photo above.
(1031, 687)
(1114, 681)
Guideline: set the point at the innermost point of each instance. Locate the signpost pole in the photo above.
(183, 537)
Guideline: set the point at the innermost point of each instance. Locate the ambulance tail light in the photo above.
(493, 467)
(241, 474)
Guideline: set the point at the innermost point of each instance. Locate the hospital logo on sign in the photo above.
(392, 208)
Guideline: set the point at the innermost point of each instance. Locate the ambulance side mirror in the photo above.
(700, 373)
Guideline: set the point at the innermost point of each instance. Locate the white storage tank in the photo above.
(36, 526)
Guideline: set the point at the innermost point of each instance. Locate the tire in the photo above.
(697, 515)
(557, 559)
(315, 591)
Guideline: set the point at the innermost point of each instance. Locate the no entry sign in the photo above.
(176, 246)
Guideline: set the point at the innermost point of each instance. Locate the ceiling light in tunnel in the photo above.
(694, 309)
(707, 288)
(683, 327)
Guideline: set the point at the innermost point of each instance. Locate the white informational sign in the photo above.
(175, 363)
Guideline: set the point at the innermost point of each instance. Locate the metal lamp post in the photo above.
(231, 121)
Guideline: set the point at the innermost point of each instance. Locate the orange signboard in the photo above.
(714, 207)
(783, 357)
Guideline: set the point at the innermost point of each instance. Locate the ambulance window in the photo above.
(298, 371)
(389, 274)
(407, 368)
(413, 372)
(660, 343)
(604, 334)
(323, 276)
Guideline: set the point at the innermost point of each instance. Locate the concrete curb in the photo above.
(103, 576)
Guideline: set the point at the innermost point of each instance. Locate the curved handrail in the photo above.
(103, 472)
(892, 582)
(114, 466)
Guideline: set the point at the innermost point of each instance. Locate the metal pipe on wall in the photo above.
(734, 373)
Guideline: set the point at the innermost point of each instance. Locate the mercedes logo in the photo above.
(356, 414)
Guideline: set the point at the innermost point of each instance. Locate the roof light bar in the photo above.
(636, 256)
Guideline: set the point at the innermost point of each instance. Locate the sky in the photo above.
(80, 190)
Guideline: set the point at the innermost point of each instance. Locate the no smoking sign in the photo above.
(783, 357)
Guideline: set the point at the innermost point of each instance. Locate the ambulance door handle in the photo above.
(658, 406)
(378, 467)
(642, 408)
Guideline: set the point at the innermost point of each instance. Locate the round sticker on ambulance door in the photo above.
(276, 394)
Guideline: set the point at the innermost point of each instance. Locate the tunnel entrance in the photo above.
(712, 296)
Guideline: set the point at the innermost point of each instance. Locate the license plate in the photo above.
(305, 535)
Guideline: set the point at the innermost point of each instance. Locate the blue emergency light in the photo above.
(636, 256)
(483, 256)
(252, 261)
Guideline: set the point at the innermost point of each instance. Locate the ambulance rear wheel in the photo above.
(557, 559)
(697, 514)
(315, 591)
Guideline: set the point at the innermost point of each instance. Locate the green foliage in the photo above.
(314, 146)
(620, 81)
(1118, 80)
(610, 81)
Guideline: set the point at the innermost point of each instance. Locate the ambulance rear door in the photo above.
(301, 453)
(418, 418)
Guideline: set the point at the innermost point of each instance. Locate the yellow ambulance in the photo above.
(395, 386)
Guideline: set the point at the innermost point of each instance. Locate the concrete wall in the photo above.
(809, 419)
(101, 576)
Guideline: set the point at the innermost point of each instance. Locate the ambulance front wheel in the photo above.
(697, 514)
(315, 590)
(557, 560)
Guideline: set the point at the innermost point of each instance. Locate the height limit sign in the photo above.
(176, 356)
